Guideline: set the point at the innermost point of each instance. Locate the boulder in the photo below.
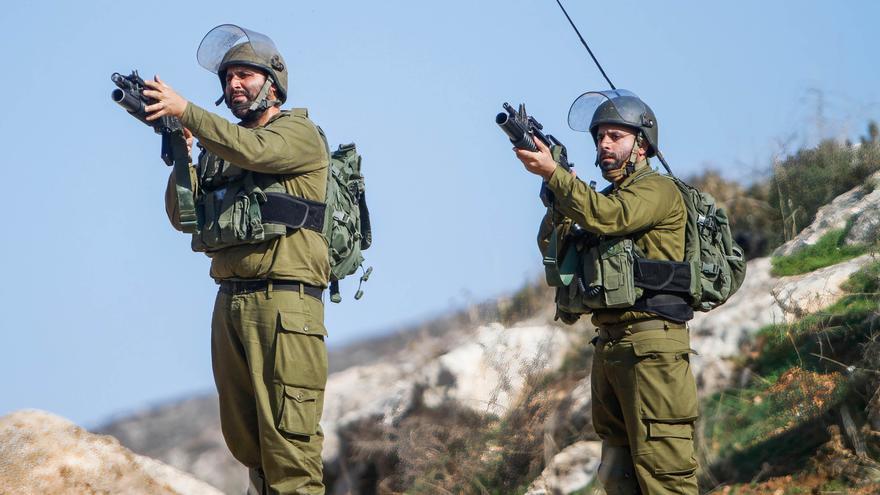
(42, 453)
(569, 471)
(484, 372)
(800, 295)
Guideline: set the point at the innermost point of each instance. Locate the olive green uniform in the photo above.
(268, 351)
(644, 394)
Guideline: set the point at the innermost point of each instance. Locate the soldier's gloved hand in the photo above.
(537, 162)
(168, 102)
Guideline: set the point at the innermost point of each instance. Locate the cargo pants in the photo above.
(270, 368)
(644, 409)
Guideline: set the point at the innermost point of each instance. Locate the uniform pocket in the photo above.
(299, 411)
(666, 386)
(669, 450)
(300, 352)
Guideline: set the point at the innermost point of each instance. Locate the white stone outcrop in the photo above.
(800, 295)
(484, 372)
(487, 374)
(42, 453)
(857, 204)
(570, 470)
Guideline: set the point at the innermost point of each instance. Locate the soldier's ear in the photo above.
(644, 146)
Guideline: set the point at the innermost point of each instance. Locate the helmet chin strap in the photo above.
(260, 104)
(626, 168)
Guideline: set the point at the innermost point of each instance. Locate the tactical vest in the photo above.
(591, 272)
(237, 206)
(594, 272)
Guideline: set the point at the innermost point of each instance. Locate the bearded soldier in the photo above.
(643, 390)
(259, 189)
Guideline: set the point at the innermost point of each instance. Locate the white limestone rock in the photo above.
(570, 470)
(42, 453)
(857, 203)
(487, 374)
(800, 295)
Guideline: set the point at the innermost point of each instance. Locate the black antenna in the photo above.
(585, 45)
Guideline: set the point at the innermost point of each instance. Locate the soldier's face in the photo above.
(243, 85)
(614, 143)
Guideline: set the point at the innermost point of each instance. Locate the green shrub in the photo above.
(829, 250)
(799, 373)
(811, 178)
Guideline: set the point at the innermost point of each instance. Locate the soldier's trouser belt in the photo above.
(617, 332)
(246, 286)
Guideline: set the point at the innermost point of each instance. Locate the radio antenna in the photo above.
(586, 45)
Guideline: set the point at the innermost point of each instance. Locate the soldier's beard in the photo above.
(613, 166)
(242, 110)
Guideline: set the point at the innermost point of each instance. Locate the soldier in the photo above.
(643, 390)
(260, 188)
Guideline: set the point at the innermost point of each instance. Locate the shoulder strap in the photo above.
(186, 209)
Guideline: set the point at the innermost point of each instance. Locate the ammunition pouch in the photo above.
(594, 273)
(591, 272)
(251, 208)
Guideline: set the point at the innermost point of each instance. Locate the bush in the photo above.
(829, 250)
(811, 178)
(772, 210)
(803, 375)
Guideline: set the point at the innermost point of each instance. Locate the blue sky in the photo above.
(105, 308)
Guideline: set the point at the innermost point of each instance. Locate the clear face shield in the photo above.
(219, 40)
(580, 115)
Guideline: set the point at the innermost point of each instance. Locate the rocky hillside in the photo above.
(489, 401)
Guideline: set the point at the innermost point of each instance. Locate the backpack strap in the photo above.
(366, 227)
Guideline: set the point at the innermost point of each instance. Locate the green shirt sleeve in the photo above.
(289, 144)
(632, 208)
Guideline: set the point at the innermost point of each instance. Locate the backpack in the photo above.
(710, 250)
(346, 219)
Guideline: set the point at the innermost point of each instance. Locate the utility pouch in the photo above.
(617, 259)
(592, 275)
(232, 215)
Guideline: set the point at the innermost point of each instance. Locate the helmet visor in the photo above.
(581, 112)
(219, 40)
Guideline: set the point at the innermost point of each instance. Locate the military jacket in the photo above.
(290, 145)
(647, 208)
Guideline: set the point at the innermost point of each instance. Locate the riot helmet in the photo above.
(616, 107)
(228, 44)
(619, 107)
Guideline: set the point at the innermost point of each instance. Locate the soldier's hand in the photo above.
(168, 102)
(189, 141)
(537, 162)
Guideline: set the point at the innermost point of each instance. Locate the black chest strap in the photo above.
(293, 212)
